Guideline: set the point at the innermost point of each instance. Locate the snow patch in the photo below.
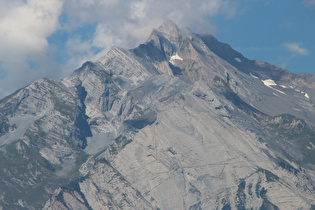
(269, 83)
(238, 60)
(174, 58)
(283, 86)
(306, 95)
(99, 142)
(22, 123)
(255, 77)
(279, 91)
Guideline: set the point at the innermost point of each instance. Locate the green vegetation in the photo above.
(286, 126)
(235, 99)
(226, 207)
(219, 82)
(285, 165)
(267, 205)
(296, 131)
(66, 109)
(241, 186)
(4, 124)
(262, 193)
(291, 128)
(240, 196)
(27, 176)
(81, 157)
(30, 171)
(37, 136)
(250, 186)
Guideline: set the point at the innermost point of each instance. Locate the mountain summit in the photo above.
(183, 121)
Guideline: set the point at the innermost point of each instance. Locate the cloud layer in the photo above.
(128, 23)
(49, 38)
(24, 28)
(296, 48)
(310, 2)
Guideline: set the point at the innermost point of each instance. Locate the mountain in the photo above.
(183, 121)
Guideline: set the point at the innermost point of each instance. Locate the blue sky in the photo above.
(51, 38)
(278, 32)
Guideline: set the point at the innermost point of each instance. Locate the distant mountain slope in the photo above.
(180, 122)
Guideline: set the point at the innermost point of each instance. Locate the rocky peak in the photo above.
(169, 30)
(168, 37)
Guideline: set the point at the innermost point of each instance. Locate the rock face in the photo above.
(180, 122)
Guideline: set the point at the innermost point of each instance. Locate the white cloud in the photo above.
(25, 26)
(296, 47)
(309, 2)
(120, 16)
(138, 10)
(129, 23)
